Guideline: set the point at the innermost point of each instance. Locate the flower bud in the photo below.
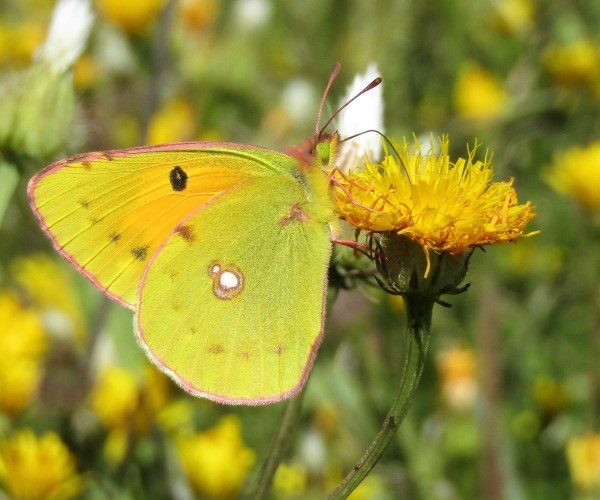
(408, 270)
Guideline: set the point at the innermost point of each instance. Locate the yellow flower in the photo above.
(33, 468)
(216, 461)
(115, 397)
(478, 95)
(24, 41)
(41, 278)
(85, 72)
(176, 417)
(22, 344)
(173, 122)
(514, 16)
(442, 205)
(19, 382)
(121, 400)
(133, 17)
(574, 63)
(290, 481)
(457, 370)
(197, 14)
(576, 173)
(127, 406)
(583, 456)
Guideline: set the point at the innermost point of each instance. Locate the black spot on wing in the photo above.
(178, 178)
(114, 237)
(140, 253)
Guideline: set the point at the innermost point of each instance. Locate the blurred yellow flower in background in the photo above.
(38, 468)
(176, 417)
(583, 456)
(127, 405)
(444, 206)
(574, 63)
(576, 173)
(115, 397)
(290, 481)
(197, 14)
(456, 367)
(478, 95)
(22, 344)
(172, 123)
(133, 17)
(40, 277)
(216, 460)
(85, 72)
(513, 16)
(19, 42)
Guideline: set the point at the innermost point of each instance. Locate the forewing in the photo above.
(107, 213)
(232, 306)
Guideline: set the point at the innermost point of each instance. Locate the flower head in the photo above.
(22, 344)
(173, 122)
(37, 468)
(133, 17)
(576, 173)
(445, 207)
(40, 277)
(575, 63)
(216, 461)
(290, 481)
(583, 456)
(478, 95)
(514, 16)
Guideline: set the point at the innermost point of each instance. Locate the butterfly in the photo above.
(220, 249)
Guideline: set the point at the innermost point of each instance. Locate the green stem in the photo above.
(260, 489)
(418, 311)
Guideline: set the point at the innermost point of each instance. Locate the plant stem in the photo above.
(261, 487)
(418, 311)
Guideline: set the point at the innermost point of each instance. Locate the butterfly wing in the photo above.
(232, 305)
(107, 213)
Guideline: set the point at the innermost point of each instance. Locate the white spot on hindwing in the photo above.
(227, 281)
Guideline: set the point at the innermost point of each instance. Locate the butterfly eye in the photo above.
(323, 153)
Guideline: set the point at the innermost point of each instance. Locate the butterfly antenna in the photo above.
(334, 73)
(377, 81)
(386, 139)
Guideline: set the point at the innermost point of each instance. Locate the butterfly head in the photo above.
(317, 152)
(321, 150)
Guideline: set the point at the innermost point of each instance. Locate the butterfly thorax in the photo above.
(316, 158)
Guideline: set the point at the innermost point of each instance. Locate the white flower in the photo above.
(68, 33)
(252, 14)
(365, 113)
(298, 98)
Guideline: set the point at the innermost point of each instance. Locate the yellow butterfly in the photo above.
(221, 250)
